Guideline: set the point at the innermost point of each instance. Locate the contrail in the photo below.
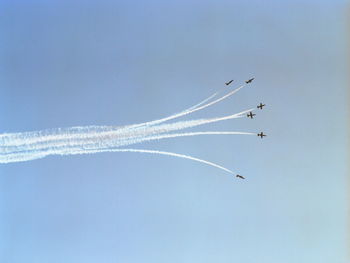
(36, 153)
(202, 102)
(10, 139)
(38, 141)
(187, 134)
(25, 146)
(157, 152)
(183, 113)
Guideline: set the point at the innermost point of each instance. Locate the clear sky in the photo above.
(69, 63)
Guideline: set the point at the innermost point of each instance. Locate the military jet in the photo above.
(251, 115)
(261, 134)
(249, 80)
(240, 176)
(228, 83)
(260, 106)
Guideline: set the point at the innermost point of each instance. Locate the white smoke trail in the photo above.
(201, 103)
(12, 139)
(96, 140)
(158, 152)
(16, 147)
(81, 149)
(183, 113)
(187, 134)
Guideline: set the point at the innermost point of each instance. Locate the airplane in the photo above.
(260, 106)
(251, 115)
(261, 134)
(249, 80)
(240, 176)
(228, 83)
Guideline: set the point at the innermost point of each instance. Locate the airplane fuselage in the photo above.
(228, 83)
(260, 106)
(250, 115)
(261, 135)
(249, 80)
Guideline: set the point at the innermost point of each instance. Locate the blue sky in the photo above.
(114, 63)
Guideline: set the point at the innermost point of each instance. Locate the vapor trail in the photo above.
(202, 102)
(115, 137)
(183, 113)
(187, 134)
(11, 139)
(161, 153)
(25, 146)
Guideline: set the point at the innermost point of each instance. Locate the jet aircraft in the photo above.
(251, 115)
(261, 134)
(240, 176)
(249, 80)
(260, 106)
(228, 83)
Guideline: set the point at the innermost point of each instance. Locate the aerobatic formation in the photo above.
(26, 146)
